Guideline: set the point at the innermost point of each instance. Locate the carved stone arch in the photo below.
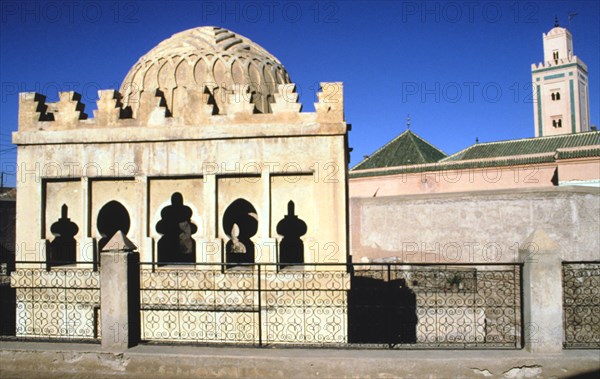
(201, 76)
(220, 73)
(132, 89)
(269, 75)
(166, 73)
(133, 83)
(257, 86)
(184, 69)
(254, 72)
(279, 76)
(237, 72)
(151, 77)
(166, 80)
(182, 73)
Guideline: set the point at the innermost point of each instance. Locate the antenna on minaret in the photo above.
(408, 122)
(556, 21)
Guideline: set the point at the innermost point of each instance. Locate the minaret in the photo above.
(560, 87)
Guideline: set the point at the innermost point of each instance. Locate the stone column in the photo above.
(542, 293)
(147, 243)
(119, 294)
(209, 247)
(266, 249)
(86, 251)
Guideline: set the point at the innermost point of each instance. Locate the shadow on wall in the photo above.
(8, 309)
(63, 249)
(381, 312)
(291, 228)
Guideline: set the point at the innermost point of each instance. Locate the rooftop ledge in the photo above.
(214, 131)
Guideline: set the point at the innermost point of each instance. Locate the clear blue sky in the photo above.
(461, 69)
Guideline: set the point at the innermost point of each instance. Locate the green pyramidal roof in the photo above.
(406, 149)
(525, 146)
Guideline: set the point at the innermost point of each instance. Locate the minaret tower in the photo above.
(560, 87)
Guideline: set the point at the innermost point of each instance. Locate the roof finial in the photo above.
(556, 21)
(408, 121)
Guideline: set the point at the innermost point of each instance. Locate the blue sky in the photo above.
(461, 69)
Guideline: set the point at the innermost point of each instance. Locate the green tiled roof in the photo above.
(504, 153)
(406, 149)
(525, 146)
(456, 165)
(579, 153)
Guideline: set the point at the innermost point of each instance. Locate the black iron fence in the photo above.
(581, 304)
(364, 305)
(62, 303)
(345, 305)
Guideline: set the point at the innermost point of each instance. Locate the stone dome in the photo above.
(205, 57)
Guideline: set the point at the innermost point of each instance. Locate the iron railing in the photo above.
(335, 305)
(55, 302)
(581, 304)
(348, 305)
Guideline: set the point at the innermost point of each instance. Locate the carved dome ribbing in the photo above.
(205, 57)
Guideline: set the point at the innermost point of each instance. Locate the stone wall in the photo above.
(482, 227)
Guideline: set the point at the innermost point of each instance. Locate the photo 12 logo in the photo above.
(466, 92)
(270, 11)
(72, 12)
(469, 11)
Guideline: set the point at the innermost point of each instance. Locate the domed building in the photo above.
(206, 57)
(193, 164)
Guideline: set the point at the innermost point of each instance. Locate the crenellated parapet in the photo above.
(193, 107)
(558, 63)
(286, 99)
(330, 107)
(110, 108)
(33, 109)
(69, 110)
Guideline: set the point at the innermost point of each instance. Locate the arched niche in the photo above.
(176, 244)
(63, 248)
(240, 223)
(291, 247)
(112, 217)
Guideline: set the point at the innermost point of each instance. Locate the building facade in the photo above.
(203, 159)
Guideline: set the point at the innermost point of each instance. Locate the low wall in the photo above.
(29, 360)
(485, 226)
